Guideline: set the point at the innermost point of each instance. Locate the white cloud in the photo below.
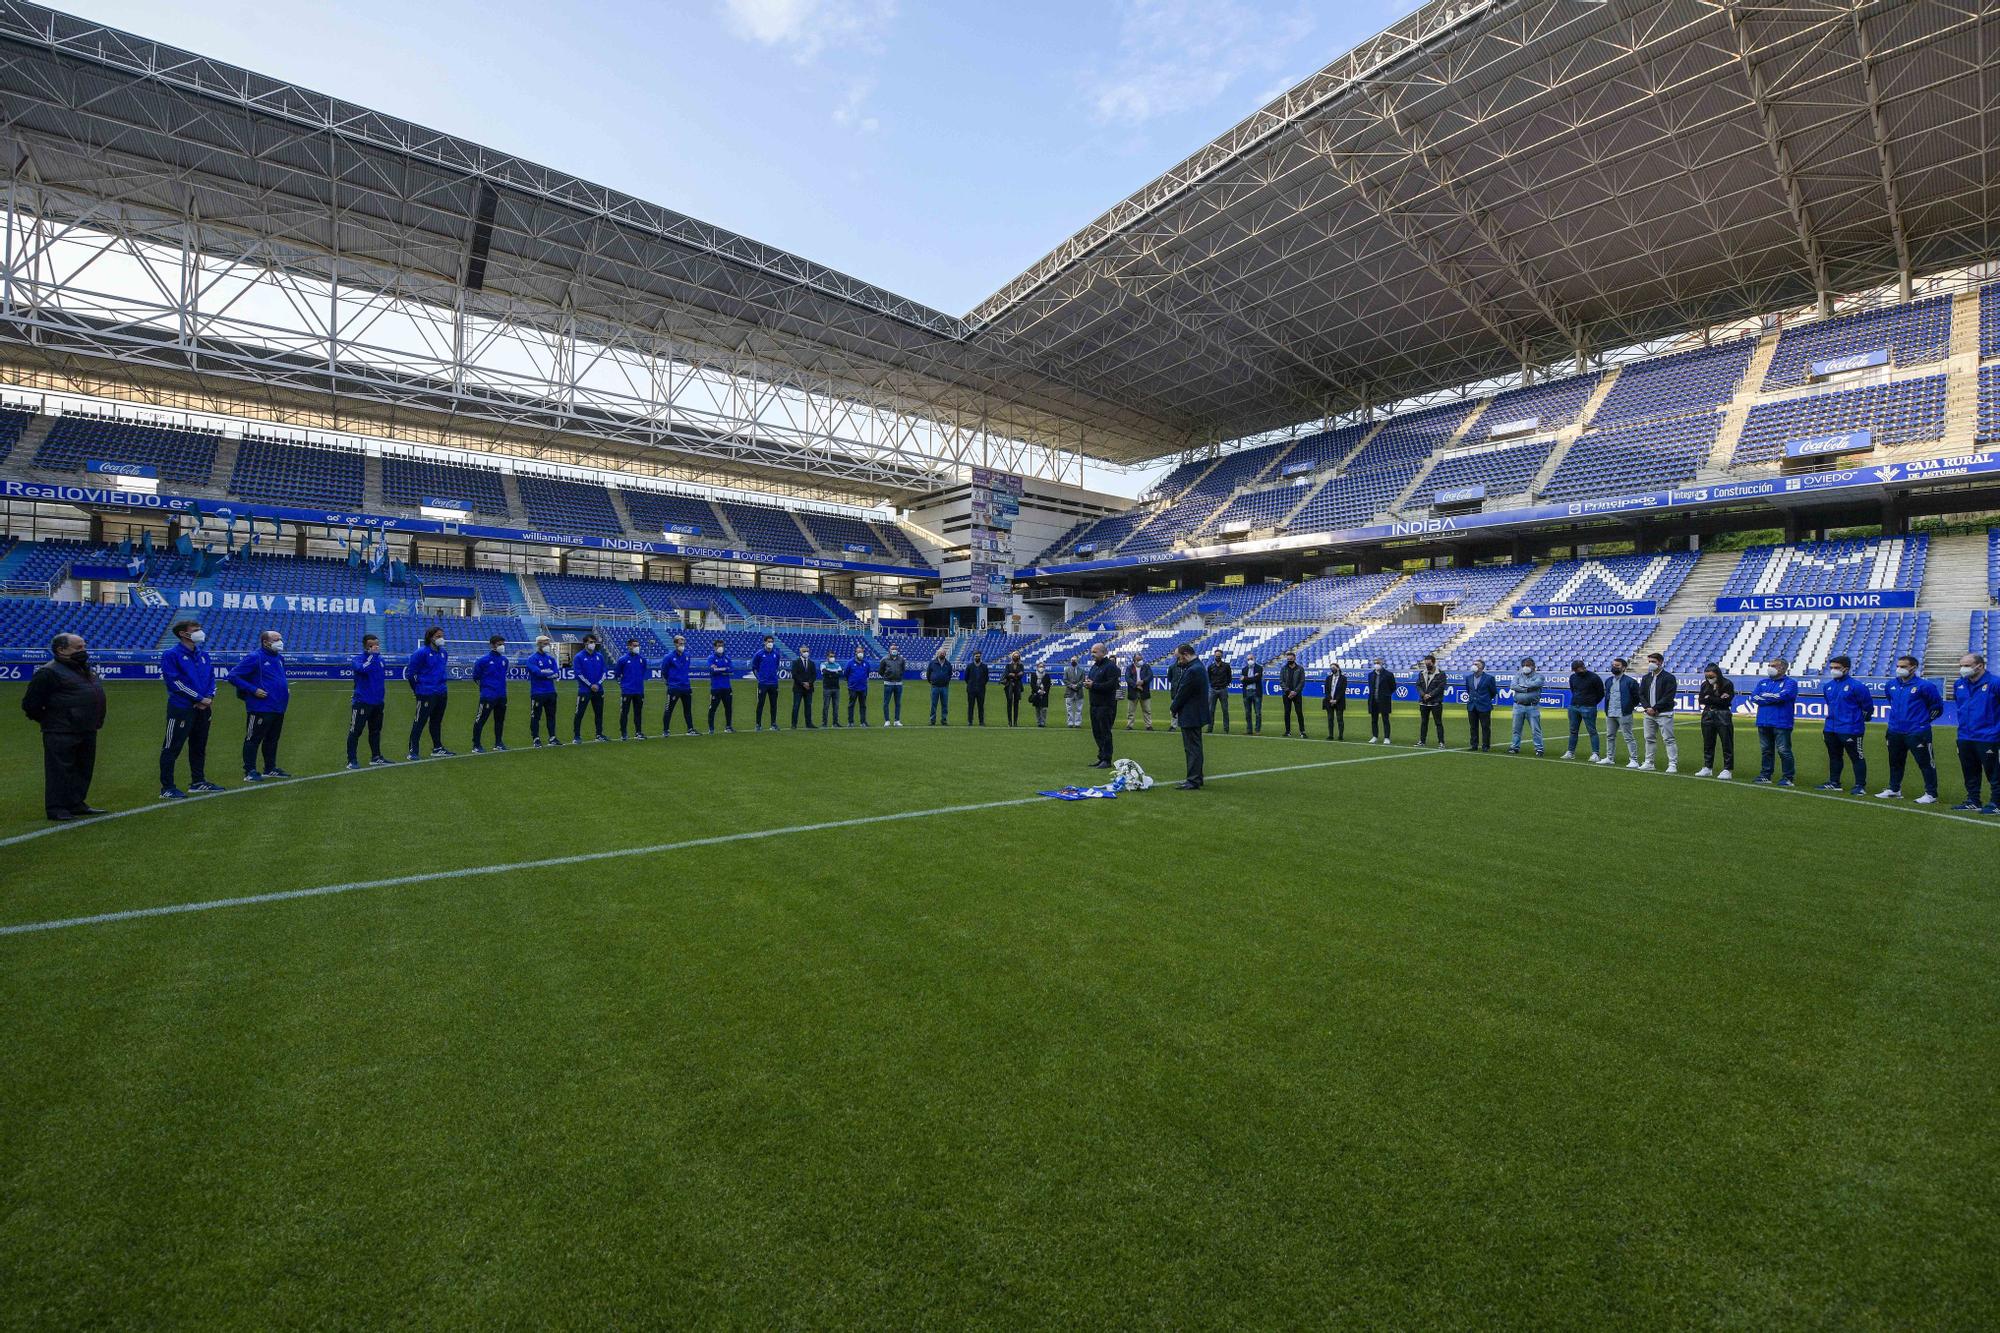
(1176, 55)
(852, 112)
(805, 28)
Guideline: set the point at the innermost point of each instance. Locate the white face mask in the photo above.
(1904, 673)
(277, 645)
(1967, 671)
(1836, 672)
(542, 648)
(1771, 671)
(198, 637)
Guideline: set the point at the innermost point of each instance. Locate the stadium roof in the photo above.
(1484, 185)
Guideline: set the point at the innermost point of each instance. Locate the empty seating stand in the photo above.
(1701, 381)
(1553, 644)
(31, 622)
(568, 506)
(656, 512)
(1474, 590)
(1634, 457)
(279, 472)
(12, 422)
(1742, 644)
(1503, 469)
(763, 528)
(1913, 334)
(1551, 405)
(1605, 579)
(186, 456)
(1898, 412)
(411, 481)
(1327, 599)
(1873, 564)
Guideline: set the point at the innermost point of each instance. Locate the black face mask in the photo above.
(79, 658)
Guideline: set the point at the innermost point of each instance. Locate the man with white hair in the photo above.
(1073, 691)
(261, 683)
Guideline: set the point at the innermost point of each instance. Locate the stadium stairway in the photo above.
(1416, 485)
(1954, 587)
(512, 492)
(538, 605)
(32, 435)
(1695, 598)
(1570, 434)
(371, 486)
(729, 530)
(618, 508)
(1738, 412)
(1961, 395)
(1328, 474)
(226, 449)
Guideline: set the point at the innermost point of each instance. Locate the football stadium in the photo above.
(1501, 829)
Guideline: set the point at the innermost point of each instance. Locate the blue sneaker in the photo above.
(276, 773)
(1858, 790)
(253, 777)
(1828, 786)
(1784, 782)
(1760, 781)
(380, 762)
(172, 794)
(1989, 809)
(353, 766)
(204, 787)
(439, 752)
(479, 749)
(1971, 807)
(498, 748)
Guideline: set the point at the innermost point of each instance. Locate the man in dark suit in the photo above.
(1103, 679)
(66, 699)
(804, 676)
(1191, 709)
(977, 673)
(1292, 686)
(1381, 698)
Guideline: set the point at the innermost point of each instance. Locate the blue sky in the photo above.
(933, 149)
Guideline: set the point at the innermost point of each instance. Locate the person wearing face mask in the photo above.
(1656, 711)
(832, 675)
(1333, 700)
(1073, 692)
(1914, 703)
(66, 699)
(1717, 701)
(590, 666)
(677, 669)
(364, 705)
(1251, 679)
(1430, 701)
(1482, 690)
(543, 673)
(804, 676)
(858, 675)
(1528, 685)
(261, 684)
(1219, 676)
(1381, 698)
(189, 674)
(1777, 698)
(1586, 692)
(1621, 702)
(1978, 698)
(429, 677)
(489, 673)
(766, 666)
(633, 672)
(722, 688)
(1849, 705)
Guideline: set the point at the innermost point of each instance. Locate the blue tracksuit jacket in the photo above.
(765, 664)
(189, 674)
(633, 673)
(721, 672)
(429, 672)
(590, 668)
(371, 680)
(491, 673)
(1776, 701)
(543, 672)
(1849, 705)
(857, 675)
(678, 669)
(1978, 708)
(262, 670)
(1913, 705)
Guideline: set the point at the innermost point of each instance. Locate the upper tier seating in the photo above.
(1106, 533)
(1899, 412)
(279, 472)
(1324, 600)
(12, 422)
(763, 528)
(1174, 522)
(835, 532)
(411, 481)
(1913, 334)
(1629, 459)
(568, 506)
(1228, 602)
(1062, 546)
(32, 622)
(1989, 320)
(789, 604)
(1323, 449)
(1503, 469)
(672, 600)
(1259, 509)
(1871, 564)
(1352, 498)
(1702, 380)
(1742, 644)
(653, 511)
(1551, 404)
(587, 594)
(1617, 578)
(186, 456)
(1471, 591)
(1987, 428)
(1552, 644)
(1405, 441)
(302, 576)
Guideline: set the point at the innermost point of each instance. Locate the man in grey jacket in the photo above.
(1527, 705)
(893, 669)
(1073, 685)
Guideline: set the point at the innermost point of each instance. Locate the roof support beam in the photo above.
(1884, 158)
(1781, 158)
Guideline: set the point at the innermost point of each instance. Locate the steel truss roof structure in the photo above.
(1487, 187)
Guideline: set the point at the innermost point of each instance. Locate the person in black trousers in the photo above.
(1013, 679)
(804, 676)
(976, 676)
(1335, 703)
(1292, 692)
(1190, 710)
(1716, 701)
(1218, 685)
(1381, 698)
(1103, 680)
(1430, 700)
(1252, 680)
(66, 698)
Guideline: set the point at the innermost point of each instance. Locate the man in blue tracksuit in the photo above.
(832, 675)
(858, 672)
(189, 673)
(721, 689)
(1777, 699)
(364, 705)
(677, 669)
(590, 666)
(543, 673)
(490, 673)
(767, 667)
(429, 677)
(938, 676)
(633, 671)
(1849, 705)
(260, 682)
(1978, 698)
(1914, 703)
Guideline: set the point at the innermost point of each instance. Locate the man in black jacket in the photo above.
(1191, 705)
(66, 698)
(1013, 680)
(1218, 685)
(1430, 700)
(1656, 710)
(976, 676)
(938, 676)
(831, 677)
(1586, 695)
(804, 676)
(1292, 690)
(1381, 698)
(1103, 679)
(1252, 680)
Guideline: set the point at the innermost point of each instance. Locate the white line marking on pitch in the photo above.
(612, 854)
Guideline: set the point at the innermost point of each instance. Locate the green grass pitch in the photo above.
(1412, 1039)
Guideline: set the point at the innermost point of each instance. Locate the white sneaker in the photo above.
(1889, 795)
(1635, 764)
(885, 721)
(1723, 776)
(1671, 768)
(1704, 772)
(1927, 799)
(1569, 754)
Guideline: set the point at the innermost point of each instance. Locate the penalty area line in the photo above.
(618, 853)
